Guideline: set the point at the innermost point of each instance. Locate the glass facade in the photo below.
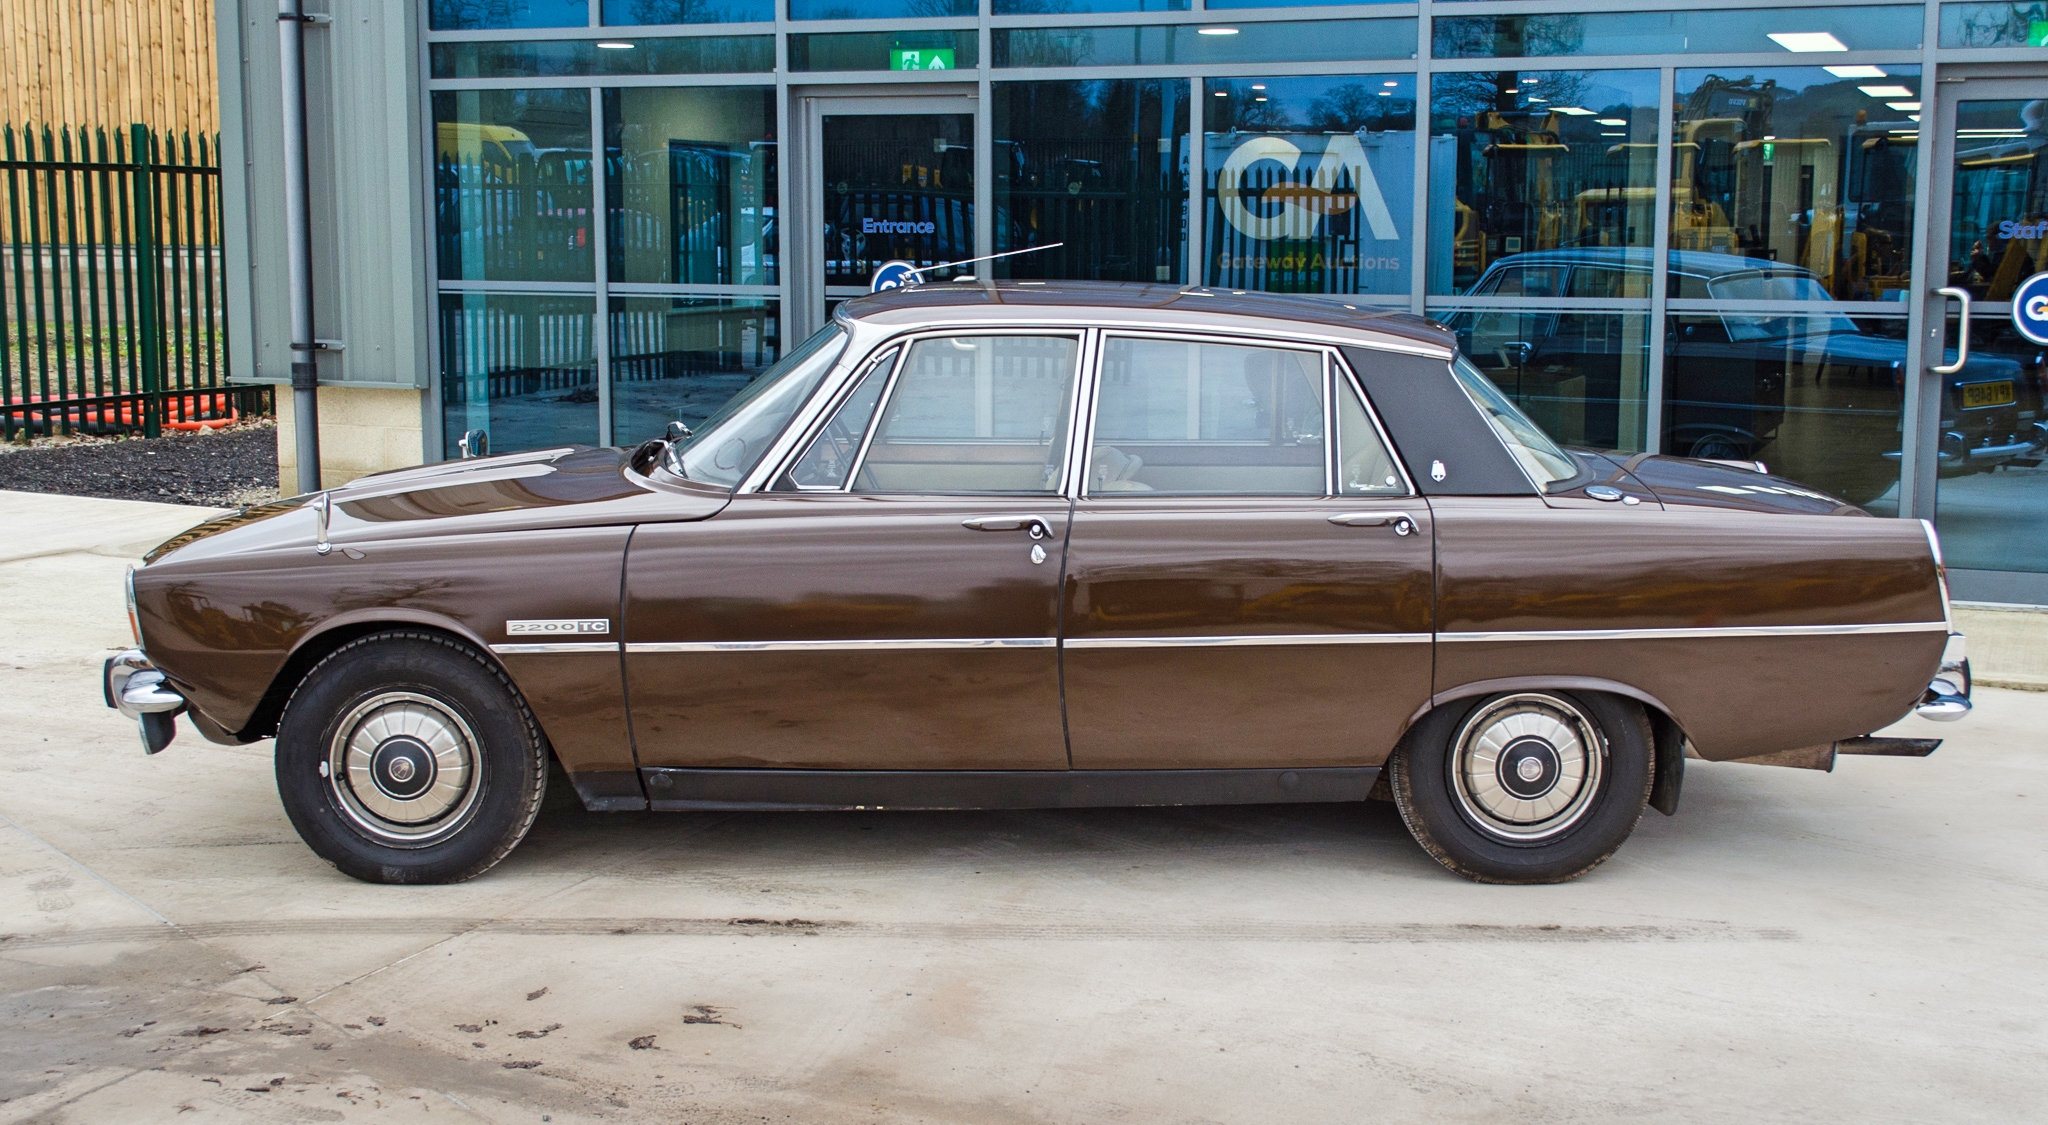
(1706, 230)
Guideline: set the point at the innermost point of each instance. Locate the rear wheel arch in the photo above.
(1668, 731)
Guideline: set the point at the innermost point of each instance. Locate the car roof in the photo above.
(1130, 304)
(1701, 263)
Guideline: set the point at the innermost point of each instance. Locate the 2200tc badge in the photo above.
(996, 545)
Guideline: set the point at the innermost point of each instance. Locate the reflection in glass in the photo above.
(1524, 161)
(681, 358)
(975, 414)
(1815, 396)
(827, 463)
(1995, 25)
(1702, 31)
(1992, 495)
(470, 15)
(735, 438)
(1098, 166)
(1172, 44)
(879, 9)
(512, 185)
(1071, 7)
(1998, 220)
(1310, 183)
(519, 367)
(623, 13)
(1802, 172)
(1581, 376)
(697, 54)
(897, 186)
(690, 181)
(886, 50)
(1183, 418)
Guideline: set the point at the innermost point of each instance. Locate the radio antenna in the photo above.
(986, 258)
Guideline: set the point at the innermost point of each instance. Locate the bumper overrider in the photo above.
(1948, 696)
(135, 688)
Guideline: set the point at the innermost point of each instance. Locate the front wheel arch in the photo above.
(332, 635)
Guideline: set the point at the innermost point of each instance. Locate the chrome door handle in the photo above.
(1403, 523)
(1962, 331)
(1038, 528)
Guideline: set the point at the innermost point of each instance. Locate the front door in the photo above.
(1983, 449)
(1249, 575)
(884, 178)
(891, 601)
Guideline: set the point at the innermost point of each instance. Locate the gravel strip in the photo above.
(225, 468)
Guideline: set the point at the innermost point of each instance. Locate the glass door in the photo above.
(888, 178)
(1983, 426)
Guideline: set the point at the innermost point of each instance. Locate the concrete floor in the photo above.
(1863, 946)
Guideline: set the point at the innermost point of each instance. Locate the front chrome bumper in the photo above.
(1948, 696)
(136, 688)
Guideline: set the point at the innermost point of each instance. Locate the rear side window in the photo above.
(1186, 418)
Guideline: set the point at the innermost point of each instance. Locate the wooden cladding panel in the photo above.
(109, 62)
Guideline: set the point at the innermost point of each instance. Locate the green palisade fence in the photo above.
(112, 295)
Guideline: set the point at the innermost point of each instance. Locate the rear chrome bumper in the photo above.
(1948, 696)
(136, 688)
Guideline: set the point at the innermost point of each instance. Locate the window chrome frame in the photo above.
(834, 394)
(1334, 369)
(1350, 378)
(838, 399)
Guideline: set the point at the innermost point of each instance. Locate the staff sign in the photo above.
(892, 275)
(2030, 308)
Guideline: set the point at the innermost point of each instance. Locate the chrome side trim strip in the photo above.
(907, 644)
(555, 647)
(1697, 634)
(1246, 641)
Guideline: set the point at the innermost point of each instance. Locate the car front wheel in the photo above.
(407, 757)
(1525, 787)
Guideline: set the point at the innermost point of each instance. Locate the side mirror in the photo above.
(475, 443)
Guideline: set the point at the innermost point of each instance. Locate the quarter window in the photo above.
(827, 463)
(1364, 466)
(1174, 416)
(975, 414)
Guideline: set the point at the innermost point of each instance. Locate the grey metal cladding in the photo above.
(1430, 418)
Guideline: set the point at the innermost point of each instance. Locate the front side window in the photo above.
(732, 441)
(975, 414)
(1540, 458)
(1186, 418)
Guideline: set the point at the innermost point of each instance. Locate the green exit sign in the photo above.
(921, 58)
(2037, 33)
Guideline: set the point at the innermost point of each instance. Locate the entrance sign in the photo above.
(2030, 308)
(922, 58)
(892, 275)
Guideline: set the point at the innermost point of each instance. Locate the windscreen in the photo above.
(734, 440)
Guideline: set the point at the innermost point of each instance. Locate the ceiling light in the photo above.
(1807, 41)
(1903, 107)
(1233, 31)
(1855, 71)
(1222, 93)
(1258, 99)
(611, 45)
(1390, 83)
(1530, 81)
(1258, 86)
(1537, 99)
(1614, 134)
(1572, 110)
(1913, 117)
(1386, 93)
(1886, 91)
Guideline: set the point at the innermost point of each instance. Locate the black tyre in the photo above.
(407, 757)
(1526, 787)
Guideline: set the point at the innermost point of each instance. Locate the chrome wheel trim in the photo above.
(1525, 768)
(404, 767)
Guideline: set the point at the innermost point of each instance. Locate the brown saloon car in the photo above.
(1013, 545)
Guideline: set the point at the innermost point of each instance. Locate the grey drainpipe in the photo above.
(291, 21)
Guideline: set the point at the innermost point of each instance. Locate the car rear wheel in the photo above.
(409, 758)
(1525, 787)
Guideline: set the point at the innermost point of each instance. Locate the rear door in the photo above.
(892, 602)
(1249, 575)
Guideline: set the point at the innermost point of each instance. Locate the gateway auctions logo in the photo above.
(1302, 206)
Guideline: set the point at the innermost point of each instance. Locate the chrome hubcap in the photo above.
(403, 767)
(1527, 767)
